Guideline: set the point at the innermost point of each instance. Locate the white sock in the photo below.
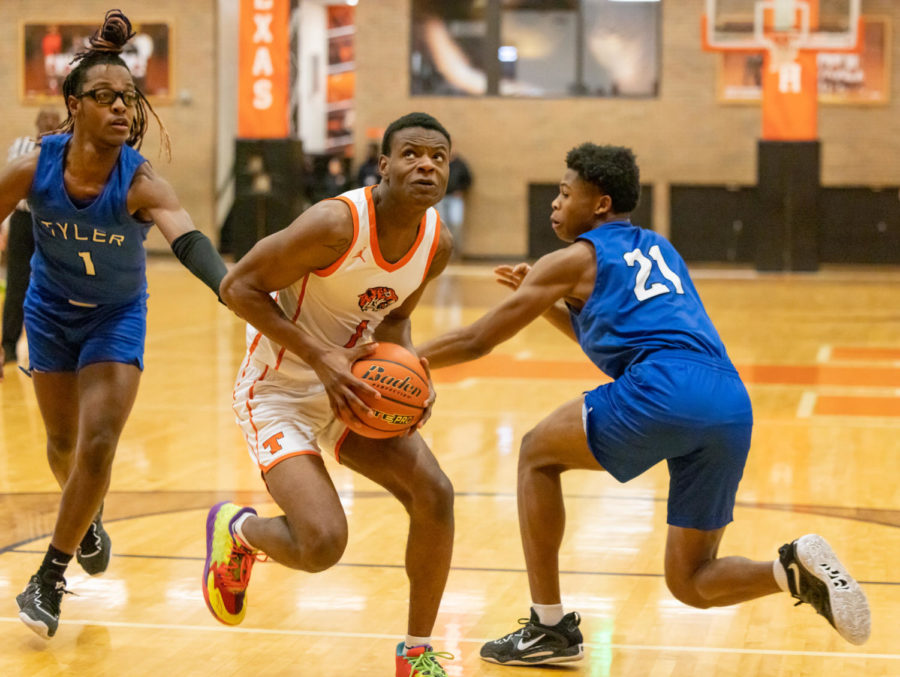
(413, 641)
(238, 530)
(780, 575)
(548, 614)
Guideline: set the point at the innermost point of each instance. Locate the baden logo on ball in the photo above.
(400, 378)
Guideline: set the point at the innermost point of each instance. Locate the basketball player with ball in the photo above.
(625, 295)
(336, 287)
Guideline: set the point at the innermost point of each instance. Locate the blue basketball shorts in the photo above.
(65, 337)
(692, 411)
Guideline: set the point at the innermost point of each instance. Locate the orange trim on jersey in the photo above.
(253, 344)
(267, 468)
(325, 272)
(434, 244)
(293, 319)
(337, 445)
(245, 364)
(373, 238)
(250, 412)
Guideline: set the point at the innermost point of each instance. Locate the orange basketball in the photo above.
(399, 376)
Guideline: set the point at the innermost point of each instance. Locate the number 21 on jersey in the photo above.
(641, 290)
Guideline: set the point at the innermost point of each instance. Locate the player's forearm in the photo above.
(452, 348)
(262, 312)
(558, 316)
(197, 254)
(275, 325)
(395, 331)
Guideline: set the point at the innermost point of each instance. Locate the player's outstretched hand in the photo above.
(511, 276)
(343, 388)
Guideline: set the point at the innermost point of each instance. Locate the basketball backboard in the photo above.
(808, 24)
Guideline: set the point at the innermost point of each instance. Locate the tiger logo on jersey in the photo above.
(377, 298)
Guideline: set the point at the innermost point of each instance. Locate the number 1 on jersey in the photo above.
(641, 291)
(88, 264)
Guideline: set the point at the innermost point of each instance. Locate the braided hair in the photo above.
(106, 44)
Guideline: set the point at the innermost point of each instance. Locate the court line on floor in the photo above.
(382, 565)
(807, 404)
(883, 517)
(465, 640)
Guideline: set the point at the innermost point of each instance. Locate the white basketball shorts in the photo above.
(283, 417)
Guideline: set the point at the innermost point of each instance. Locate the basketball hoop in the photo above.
(790, 33)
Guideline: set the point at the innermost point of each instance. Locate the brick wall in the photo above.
(683, 136)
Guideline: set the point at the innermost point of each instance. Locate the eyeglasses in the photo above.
(106, 97)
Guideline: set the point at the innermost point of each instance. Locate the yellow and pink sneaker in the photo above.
(228, 564)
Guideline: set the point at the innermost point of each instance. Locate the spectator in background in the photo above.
(368, 174)
(452, 208)
(16, 231)
(335, 181)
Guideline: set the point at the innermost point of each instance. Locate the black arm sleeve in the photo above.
(198, 255)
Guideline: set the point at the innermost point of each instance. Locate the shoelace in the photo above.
(235, 573)
(530, 630)
(814, 598)
(426, 663)
(525, 623)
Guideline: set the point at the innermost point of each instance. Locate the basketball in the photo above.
(398, 375)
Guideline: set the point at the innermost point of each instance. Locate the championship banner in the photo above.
(263, 69)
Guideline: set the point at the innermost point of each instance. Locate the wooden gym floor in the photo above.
(821, 357)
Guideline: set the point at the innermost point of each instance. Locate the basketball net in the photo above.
(783, 49)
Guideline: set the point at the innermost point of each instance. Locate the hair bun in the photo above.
(113, 34)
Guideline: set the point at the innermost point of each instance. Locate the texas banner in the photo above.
(263, 69)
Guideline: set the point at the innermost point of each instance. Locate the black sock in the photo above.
(54, 564)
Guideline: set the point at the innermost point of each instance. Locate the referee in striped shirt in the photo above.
(20, 244)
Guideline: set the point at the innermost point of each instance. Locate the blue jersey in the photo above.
(643, 302)
(92, 255)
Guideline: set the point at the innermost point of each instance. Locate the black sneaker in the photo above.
(535, 644)
(94, 552)
(39, 604)
(815, 576)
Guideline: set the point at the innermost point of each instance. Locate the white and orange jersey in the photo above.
(344, 303)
